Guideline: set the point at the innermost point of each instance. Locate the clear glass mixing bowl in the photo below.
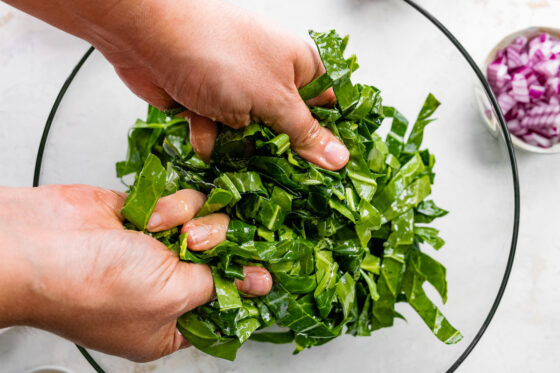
(403, 54)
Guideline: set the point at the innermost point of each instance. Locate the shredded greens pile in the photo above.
(342, 247)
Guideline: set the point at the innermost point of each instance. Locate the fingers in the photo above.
(203, 133)
(257, 281)
(311, 141)
(206, 232)
(175, 209)
(194, 282)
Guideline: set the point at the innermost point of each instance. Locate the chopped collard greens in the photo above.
(343, 247)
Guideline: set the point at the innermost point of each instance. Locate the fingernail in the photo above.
(257, 281)
(336, 154)
(197, 235)
(155, 221)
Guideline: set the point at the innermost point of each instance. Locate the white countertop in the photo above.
(524, 336)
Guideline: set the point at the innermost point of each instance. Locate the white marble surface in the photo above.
(525, 334)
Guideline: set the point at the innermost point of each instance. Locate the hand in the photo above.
(226, 65)
(219, 61)
(69, 267)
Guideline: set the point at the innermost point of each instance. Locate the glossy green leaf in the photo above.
(346, 293)
(217, 200)
(432, 316)
(206, 339)
(424, 118)
(226, 291)
(149, 187)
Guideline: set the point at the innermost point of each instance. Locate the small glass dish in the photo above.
(488, 115)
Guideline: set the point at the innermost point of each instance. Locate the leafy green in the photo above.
(226, 292)
(218, 199)
(148, 188)
(342, 247)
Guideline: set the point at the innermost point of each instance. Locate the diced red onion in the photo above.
(548, 68)
(525, 76)
(536, 91)
(552, 87)
(532, 80)
(506, 102)
(513, 58)
(520, 91)
(537, 140)
(519, 44)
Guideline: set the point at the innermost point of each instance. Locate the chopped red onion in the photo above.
(525, 76)
(506, 102)
(536, 91)
(537, 140)
(520, 91)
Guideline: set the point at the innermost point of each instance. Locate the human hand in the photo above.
(223, 64)
(69, 267)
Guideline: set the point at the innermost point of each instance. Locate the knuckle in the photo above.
(238, 119)
(308, 134)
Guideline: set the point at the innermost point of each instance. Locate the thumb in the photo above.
(311, 141)
(193, 284)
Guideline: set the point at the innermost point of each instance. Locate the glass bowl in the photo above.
(476, 180)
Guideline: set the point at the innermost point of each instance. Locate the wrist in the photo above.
(15, 273)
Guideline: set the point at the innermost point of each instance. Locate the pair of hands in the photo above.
(68, 265)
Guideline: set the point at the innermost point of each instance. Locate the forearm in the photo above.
(15, 287)
(107, 24)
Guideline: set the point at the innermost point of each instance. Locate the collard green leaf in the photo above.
(371, 263)
(424, 118)
(296, 284)
(149, 187)
(393, 266)
(264, 211)
(240, 232)
(433, 271)
(408, 198)
(427, 211)
(372, 286)
(432, 316)
(395, 138)
(204, 337)
(357, 168)
(346, 293)
(297, 314)
(217, 199)
(245, 328)
(226, 291)
(430, 236)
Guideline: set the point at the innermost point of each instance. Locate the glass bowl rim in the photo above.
(501, 122)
